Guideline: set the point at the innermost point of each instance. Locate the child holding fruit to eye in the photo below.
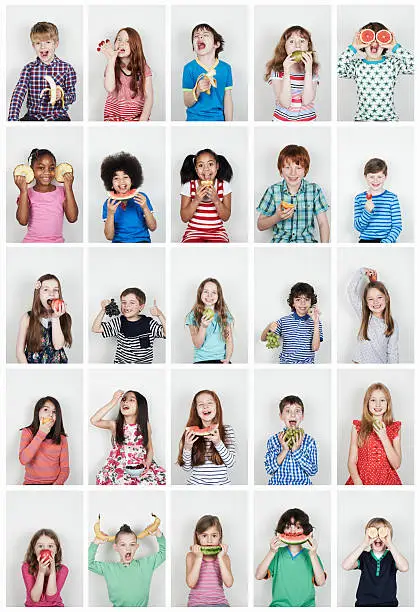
(378, 560)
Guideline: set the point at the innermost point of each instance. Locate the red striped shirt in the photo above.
(121, 106)
(44, 461)
(206, 225)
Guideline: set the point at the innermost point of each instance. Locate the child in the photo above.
(378, 569)
(45, 330)
(377, 340)
(128, 580)
(291, 465)
(205, 196)
(301, 329)
(43, 206)
(377, 214)
(128, 78)
(135, 332)
(43, 445)
(375, 444)
(33, 83)
(43, 573)
(291, 206)
(207, 81)
(130, 461)
(375, 73)
(125, 220)
(293, 75)
(206, 456)
(206, 571)
(295, 569)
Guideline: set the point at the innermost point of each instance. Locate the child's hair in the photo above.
(218, 38)
(142, 418)
(290, 399)
(126, 163)
(44, 27)
(199, 449)
(140, 295)
(366, 314)
(376, 27)
(375, 165)
(33, 335)
(189, 173)
(374, 522)
(37, 153)
(299, 516)
(137, 63)
(280, 54)
(124, 529)
(366, 426)
(295, 153)
(58, 430)
(220, 307)
(204, 523)
(299, 289)
(30, 557)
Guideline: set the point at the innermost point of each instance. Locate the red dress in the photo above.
(372, 463)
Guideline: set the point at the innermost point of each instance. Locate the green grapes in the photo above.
(272, 340)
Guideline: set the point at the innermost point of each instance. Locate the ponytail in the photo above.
(225, 171)
(188, 172)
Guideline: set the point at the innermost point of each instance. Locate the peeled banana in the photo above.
(52, 91)
(149, 530)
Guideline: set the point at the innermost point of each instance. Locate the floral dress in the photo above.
(123, 458)
(47, 352)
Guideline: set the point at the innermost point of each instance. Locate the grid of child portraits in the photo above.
(221, 383)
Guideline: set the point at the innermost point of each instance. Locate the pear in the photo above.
(297, 55)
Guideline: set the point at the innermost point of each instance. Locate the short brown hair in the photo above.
(375, 165)
(204, 523)
(44, 27)
(295, 153)
(140, 295)
(290, 399)
(218, 38)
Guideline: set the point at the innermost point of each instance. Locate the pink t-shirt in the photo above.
(122, 106)
(46, 601)
(46, 213)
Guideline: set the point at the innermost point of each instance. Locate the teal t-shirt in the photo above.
(293, 585)
(214, 345)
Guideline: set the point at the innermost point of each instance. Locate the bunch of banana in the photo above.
(291, 436)
(52, 91)
(149, 530)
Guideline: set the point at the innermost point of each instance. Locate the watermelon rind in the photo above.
(122, 197)
(210, 550)
(289, 538)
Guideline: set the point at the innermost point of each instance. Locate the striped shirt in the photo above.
(208, 590)
(210, 473)
(45, 462)
(134, 338)
(121, 105)
(309, 201)
(296, 111)
(383, 222)
(297, 333)
(205, 225)
(297, 466)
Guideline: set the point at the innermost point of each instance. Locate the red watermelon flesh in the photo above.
(384, 37)
(293, 538)
(198, 431)
(122, 196)
(367, 36)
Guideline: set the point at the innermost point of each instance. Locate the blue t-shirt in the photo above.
(214, 345)
(130, 224)
(209, 107)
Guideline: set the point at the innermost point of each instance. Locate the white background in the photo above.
(20, 52)
(232, 24)
(270, 23)
(188, 140)
(232, 389)
(149, 21)
(61, 511)
(395, 270)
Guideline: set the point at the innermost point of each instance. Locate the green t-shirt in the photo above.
(293, 585)
(128, 585)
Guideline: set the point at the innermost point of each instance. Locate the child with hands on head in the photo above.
(43, 573)
(208, 565)
(46, 328)
(375, 444)
(378, 560)
(294, 568)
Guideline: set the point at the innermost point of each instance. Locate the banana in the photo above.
(149, 530)
(100, 534)
(52, 91)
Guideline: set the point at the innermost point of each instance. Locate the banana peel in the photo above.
(149, 530)
(52, 91)
(210, 76)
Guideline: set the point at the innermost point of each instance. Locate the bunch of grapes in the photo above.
(291, 436)
(272, 341)
(112, 309)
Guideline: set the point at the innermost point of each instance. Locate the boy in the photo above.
(295, 465)
(301, 329)
(32, 80)
(207, 81)
(377, 214)
(290, 207)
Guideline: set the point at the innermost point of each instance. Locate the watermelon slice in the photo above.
(293, 538)
(367, 36)
(122, 196)
(201, 431)
(384, 37)
(210, 550)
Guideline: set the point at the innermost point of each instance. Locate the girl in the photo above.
(377, 341)
(210, 324)
(46, 328)
(126, 220)
(43, 573)
(128, 78)
(375, 444)
(43, 206)
(130, 461)
(207, 457)
(378, 569)
(375, 73)
(208, 572)
(205, 196)
(43, 445)
(293, 75)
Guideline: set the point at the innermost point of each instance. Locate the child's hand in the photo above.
(284, 445)
(58, 312)
(43, 564)
(107, 49)
(214, 436)
(314, 314)
(205, 321)
(200, 193)
(391, 44)
(357, 43)
(148, 461)
(189, 439)
(298, 442)
(371, 274)
(68, 178)
(224, 550)
(387, 540)
(368, 541)
(275, 544)
(117, 395)
(212, 193)
(112, 205)
(141, 200)
(287, 64)
(203, 84)
(98, 541)
(155, 311)
(196, 550)
(308, 61)
(284, 213)
(21, 184)
(46, 426)
(369, 205)
(273, 326)
(380, 429)
(105, 303)
(312, 546)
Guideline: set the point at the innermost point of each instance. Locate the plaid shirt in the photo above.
(32, 81)
(297, 466)
(309, 201)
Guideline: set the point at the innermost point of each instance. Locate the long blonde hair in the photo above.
(366, 313)
(366, 426)
(220, 307)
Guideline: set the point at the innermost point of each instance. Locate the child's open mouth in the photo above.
(44, 54)
(127, 557)
(201, 46)
(292, 423)
(374, 48)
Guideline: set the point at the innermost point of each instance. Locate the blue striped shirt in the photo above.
(383, 222)
(297, 333)
(297, 466)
